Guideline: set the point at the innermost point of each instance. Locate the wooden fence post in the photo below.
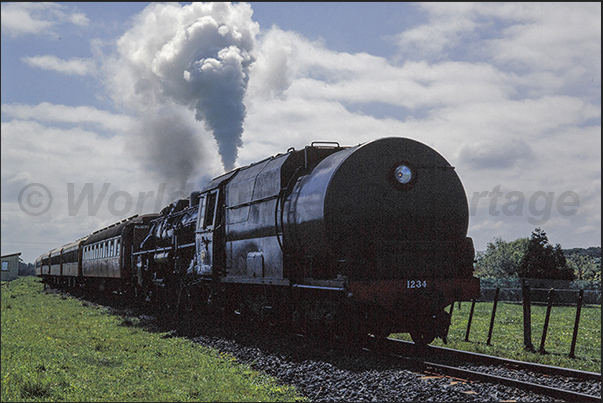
(470, 319)
(575, 336)
(493, 315)
(541, 350)
(527, 319)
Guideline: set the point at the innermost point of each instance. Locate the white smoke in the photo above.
(197, 56)
(167, 144)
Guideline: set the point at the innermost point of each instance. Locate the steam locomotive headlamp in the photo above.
(403, 174)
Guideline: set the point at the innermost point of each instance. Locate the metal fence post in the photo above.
(549, 299)
(470, 319)
(575, 336)
(527, 319)
(493, 315)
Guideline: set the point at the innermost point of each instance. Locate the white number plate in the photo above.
(416, 283)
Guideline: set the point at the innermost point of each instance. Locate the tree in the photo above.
(501, 259)
(585, 267)
(542, 260)
(26, 269)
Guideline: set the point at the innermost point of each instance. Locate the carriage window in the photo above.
(111, 249)
(117, 247)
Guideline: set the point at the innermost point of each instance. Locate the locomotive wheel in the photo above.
(422, 337)
(426, 331)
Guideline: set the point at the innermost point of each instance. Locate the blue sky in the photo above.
(112, 109)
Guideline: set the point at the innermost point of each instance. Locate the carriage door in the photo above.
(205, 232)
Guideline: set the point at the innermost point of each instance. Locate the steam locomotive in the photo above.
(370, 239)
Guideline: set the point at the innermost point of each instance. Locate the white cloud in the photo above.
(17, 19)
(74, 66)
(527, 38)
(558, 36)
(79, 19)
(37, 18)
(449, 24)
(52, 113)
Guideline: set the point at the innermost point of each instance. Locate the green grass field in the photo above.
(507, 334)
(56, 348)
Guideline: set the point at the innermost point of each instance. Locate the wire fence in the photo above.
(556, 321)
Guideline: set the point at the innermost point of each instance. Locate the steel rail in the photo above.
(566, 395)
(444, 352)
(404, 347)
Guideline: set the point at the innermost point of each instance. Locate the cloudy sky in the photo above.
(113, 109)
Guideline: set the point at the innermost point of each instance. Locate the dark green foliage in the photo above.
(26, 269)
(593, 251)
(585, 266)
(501, 259)
(542, 260)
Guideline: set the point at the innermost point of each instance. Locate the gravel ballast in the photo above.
(325, 373)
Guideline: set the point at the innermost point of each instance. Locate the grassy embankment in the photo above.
(507, 334)
(56, 348)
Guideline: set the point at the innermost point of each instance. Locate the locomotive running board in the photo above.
(256, 281)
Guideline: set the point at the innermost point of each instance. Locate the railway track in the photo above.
(461, 359)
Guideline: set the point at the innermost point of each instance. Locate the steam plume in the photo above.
(168, 144)
(197, 56)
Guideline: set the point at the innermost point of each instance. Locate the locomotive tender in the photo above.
(363, 239)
